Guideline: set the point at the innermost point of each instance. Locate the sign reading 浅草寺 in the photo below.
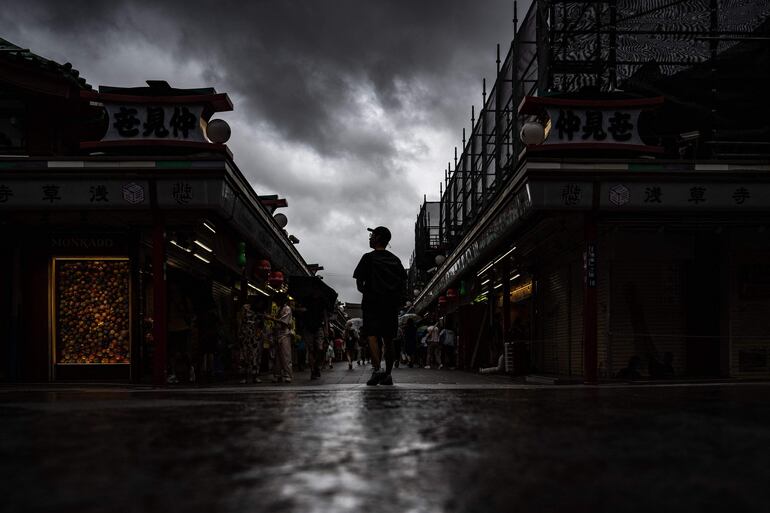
(159, 122)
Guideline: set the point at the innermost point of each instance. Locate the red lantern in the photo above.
(451, 294)
(264, 268)
(276, 279)
(442, 300)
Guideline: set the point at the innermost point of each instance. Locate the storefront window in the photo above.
(91, 311)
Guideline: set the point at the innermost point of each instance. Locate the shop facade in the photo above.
(131, 237)
(606, 218)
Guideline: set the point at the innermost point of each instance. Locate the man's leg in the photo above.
(374, 351)
(388, 350)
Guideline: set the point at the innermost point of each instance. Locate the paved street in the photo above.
(437, 441)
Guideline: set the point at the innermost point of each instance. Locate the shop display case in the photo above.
(91, 311)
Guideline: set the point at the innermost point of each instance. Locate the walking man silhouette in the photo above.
(381, 279)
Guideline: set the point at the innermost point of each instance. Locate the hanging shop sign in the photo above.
(561, 195)
(684, 196)
(137, 120)
(499, 226)
(154, 122)
(56, 192)
(590, 124)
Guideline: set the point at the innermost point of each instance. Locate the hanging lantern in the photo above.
(264, 268)
(463, 290)
(242, 254)
(451, 294)
(442, 300)
(276, 279)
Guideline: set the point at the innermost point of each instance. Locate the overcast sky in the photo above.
(350, 109)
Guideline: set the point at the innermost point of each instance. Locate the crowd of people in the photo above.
(270, 338)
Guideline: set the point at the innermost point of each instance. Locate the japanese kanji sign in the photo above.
(157, 122)
(580, 126)
(678, 195)
(576, 123)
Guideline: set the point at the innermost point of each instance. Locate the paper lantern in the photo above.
(264, 268)
(276, 279)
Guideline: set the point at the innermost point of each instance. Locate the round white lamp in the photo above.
(532, 133)
(218, 131)
(281, 220)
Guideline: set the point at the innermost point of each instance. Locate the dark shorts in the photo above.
(380, 318)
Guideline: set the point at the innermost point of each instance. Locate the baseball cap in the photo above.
(381, 232)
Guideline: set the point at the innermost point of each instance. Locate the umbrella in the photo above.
(404, 318)
(355, 323)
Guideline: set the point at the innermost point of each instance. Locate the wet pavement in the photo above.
(437, 441)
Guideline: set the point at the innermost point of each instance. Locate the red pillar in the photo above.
(590, 258)
(159, 326)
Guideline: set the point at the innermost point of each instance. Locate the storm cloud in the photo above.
(349, 109)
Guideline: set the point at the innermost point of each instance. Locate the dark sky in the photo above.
(349, 109)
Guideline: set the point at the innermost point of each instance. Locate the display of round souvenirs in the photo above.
(93, 312)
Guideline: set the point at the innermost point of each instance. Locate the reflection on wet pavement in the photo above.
(405, 450)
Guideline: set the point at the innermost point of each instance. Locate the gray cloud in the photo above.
(348, 108)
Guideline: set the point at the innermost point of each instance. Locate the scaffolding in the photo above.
(709, 59)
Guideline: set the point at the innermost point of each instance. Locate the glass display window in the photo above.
(91, 311)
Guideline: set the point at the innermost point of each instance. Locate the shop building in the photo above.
(607, 216)
(131, 237)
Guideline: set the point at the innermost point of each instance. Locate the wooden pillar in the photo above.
(159, 302)
(590, 260)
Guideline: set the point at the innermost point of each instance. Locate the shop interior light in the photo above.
(497, 286)
(175, 243)
(209, 226)
(258, 289)
(196, 255)
(506, 254)
(202, 245)
(485, 282)
(515, 276)
(486, 267)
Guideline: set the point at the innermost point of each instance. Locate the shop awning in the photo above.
(313, 288)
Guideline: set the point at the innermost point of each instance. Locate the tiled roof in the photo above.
(10, 51)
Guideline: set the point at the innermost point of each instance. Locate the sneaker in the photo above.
(350, 366)
(440, 367)
(386, 380)
(172, 379)
(427, 366)
(257, 380)
(287, 380)
(375, 379)
(242, 382)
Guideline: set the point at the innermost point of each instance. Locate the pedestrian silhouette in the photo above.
(381, 279)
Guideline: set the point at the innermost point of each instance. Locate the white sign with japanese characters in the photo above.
(580, 125)
(159, 122)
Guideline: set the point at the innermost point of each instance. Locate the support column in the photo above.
(506, 301)
(590, 351)
(159, 301)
